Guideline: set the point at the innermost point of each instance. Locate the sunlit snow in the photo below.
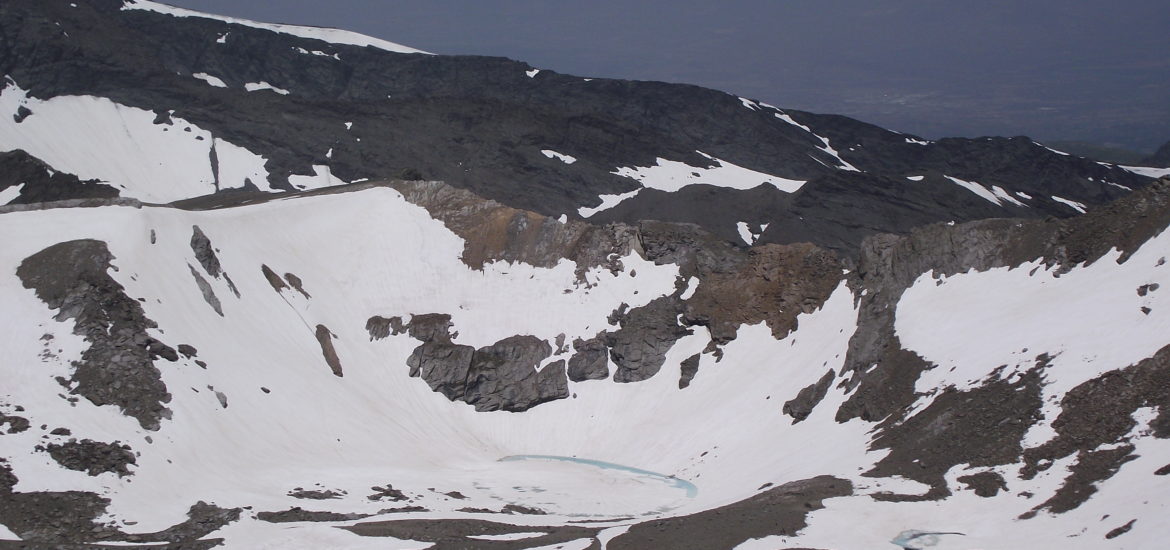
(336, 36)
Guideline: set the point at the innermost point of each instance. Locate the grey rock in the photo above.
(325, 339)
(383, 327)
(590, 360)
(443, 365)
(690, 367)
(92, 457)
(208, 292)
(503, 376)
(639, 347)
(205, 252)
(807, 399)
(118, 367)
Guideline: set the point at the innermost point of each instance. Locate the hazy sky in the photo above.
(1053, 69)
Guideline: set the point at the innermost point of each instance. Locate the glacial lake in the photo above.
(691, 490)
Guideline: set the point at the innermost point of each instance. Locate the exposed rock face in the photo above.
(639, 347)
(981, 427)
(890, 264)
(1099, 414)
(501, 376)
(118, 367)
(13, 424)
(205, 254)
(93, 457)
(494, 232)
(444, 366)
(206, 290)
(325, 338)
(807, 399)
(778, 511)
(457, 534)
(990, 420)
(39, 183)
(590, 360)
(689, 368)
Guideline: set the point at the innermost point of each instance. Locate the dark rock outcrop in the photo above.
(780, 510)
(325, 339)
(590, 360)
(639, 347)
(807, 399)
(689, 367)
(41, 183)
(503, 376)
(118, 367)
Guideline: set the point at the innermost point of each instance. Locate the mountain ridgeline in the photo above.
(484, 124)
(270, 286)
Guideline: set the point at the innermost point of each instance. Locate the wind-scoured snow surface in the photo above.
(96, 138)
(336, 36)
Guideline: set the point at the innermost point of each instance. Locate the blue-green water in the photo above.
(687, 486)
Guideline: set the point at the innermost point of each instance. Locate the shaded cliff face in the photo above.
(242, 107)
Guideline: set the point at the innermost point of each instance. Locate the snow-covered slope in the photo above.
(267, 415)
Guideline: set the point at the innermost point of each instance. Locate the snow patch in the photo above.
(258, 86)
(607, 202)
(915, 178)
(561, 157)
(9, 194)
(335, 36)
(1147, 171)
(212, 80)
(996, 195)
(1079, 207)
(749, 104)
(317, 53)
(532, 73)
(745, 232)
(916, 141)
(322, 177)
(669, 175)
(96, 138)
(825, 146)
